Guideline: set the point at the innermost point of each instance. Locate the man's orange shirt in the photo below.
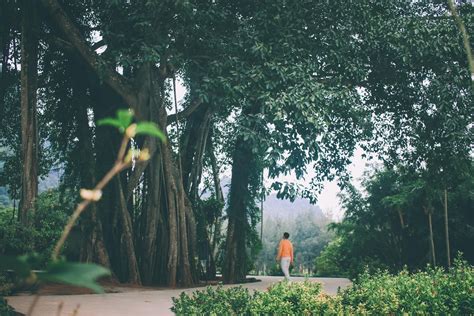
(285, 249)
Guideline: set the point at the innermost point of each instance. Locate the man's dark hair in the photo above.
(286, 235)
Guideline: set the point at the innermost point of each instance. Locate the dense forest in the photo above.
(272, 87)
(400, 222)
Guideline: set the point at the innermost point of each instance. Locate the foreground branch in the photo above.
(93, 195)
(184, 113)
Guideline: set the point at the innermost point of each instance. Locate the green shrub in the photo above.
(15, 239)
(213, 301)
(5, 310)
(284, 298)
(288, 298)
(334, 261)
(432, 292)
(6, 284)
(49, 218)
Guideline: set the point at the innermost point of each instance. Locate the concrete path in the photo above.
(137, 303)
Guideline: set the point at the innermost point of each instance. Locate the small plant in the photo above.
(287, 298)
(84, 274)
(213, 301)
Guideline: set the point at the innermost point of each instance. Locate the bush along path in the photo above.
(430, 292)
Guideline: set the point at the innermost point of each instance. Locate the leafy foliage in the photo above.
(124, 119)
(48, 220)
(213, 301)
(281, 298)
(77, 274)
(427, 293)
(388, 227)
(287, 298)
(5, 309)
(292, 87)
(430, 292)
(150, 129)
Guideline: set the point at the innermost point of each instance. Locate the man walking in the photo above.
(285, 255)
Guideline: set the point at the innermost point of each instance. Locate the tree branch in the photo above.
(184, 113)
(465, 37)
(58, 42)
(117, 82)
(97, 45)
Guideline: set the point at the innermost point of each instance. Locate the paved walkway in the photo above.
(138, 303)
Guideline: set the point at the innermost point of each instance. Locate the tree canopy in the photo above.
(270, 85)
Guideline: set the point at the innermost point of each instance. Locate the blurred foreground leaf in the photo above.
(77, 274)
(151, 129)
(122, 120)
(19, 265)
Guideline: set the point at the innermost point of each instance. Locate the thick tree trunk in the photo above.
(235, 267)
(193, 149)
(215, 171)
(127, 233)
(179, 261)
(150, 102)
(446, 228)
(29, 128)
(166, 183)
(110, 207)
(93, 246)
(214, 231)
(177, 219)
(152, 218)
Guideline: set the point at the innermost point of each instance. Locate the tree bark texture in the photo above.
(215, 170)
(446, 228)
(127, 231)
(432, 245)
(167, 233)
(29, 127)
(235, 267)
(193, 150)
(93, 247)
(214, 231)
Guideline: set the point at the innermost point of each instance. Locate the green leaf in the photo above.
(18, 264)
(77, 274)
(122, 121)
(125, 117)
(111, 122)
(149, 128)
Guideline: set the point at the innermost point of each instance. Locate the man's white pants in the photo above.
(285, 267)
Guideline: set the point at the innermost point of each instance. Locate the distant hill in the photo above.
(272, 206)
(275, 207)
(51, 181)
